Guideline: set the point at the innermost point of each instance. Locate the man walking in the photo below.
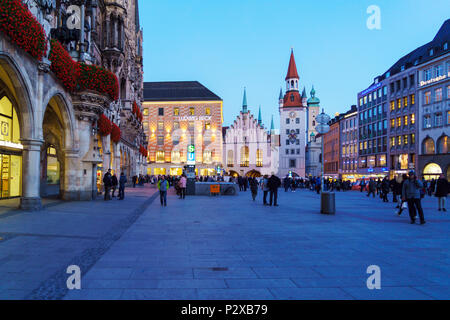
(107, 182)
(385, 188)
(411, 194)
(441, 193)
(122, 181)
(274, 183)
(163, 186)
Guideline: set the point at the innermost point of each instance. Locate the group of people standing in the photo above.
(110, 183)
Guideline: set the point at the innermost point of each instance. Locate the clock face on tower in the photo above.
(292, 115)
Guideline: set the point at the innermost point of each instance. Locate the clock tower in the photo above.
(292, 126)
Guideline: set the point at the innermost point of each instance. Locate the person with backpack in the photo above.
(411, 193)
(163, 187)
(441, 192)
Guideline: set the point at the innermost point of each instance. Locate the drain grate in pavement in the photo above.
(219, 269)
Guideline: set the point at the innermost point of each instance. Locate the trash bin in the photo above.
(328, 203)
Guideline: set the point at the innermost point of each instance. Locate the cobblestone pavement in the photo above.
(225, 248)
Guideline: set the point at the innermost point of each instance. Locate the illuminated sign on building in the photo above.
(193, 118)
(437, 79)
(191, 155)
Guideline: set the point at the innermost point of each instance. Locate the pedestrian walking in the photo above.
(114, 184)
(265, 188)
(122, 182)
(274, 183)
(385, 189)
(107, 182)
(372, 188)
(412, 194)
(253, 187)
(403, 204)
(163, 186)
(442, 188)
(182, 185)
(363, 185)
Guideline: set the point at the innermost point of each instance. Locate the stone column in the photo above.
(31, 165)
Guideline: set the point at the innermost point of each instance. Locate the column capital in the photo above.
(32, 144)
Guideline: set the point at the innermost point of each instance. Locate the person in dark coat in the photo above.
(287, 183)
(114, 184)
(400, 190)
(273, 184)
(241, 183)
(442, 188)
(385, 189)
(107, 182)
(253, 187)
(372, 188)
(122, 182)
(412, 194)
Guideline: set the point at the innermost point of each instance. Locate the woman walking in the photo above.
(253, 187)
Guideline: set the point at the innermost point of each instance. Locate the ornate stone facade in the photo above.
(50, 136)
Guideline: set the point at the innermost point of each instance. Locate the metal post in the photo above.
(323, 165)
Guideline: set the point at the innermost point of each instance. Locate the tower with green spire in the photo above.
(272, 127)
(259, 116)
(244, 102)
(312, 112)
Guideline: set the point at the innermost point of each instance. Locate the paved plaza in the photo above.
(224, 248)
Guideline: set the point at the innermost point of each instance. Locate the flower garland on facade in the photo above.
(77, 76)
(65, 68)
(137, 111)
(19, 24)
(104, 125)
(115, 133)
(143, 151)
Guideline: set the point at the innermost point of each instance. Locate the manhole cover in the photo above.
(219, 269)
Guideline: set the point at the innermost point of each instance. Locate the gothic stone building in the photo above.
(53, 94)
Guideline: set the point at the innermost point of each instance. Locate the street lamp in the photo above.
(327, 200)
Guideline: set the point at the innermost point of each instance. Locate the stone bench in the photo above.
(226, 189)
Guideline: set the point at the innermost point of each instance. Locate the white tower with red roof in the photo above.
(292, 126)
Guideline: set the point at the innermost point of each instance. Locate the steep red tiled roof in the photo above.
(292, 99)
(292, 71)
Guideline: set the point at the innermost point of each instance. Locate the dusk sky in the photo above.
(229, 45)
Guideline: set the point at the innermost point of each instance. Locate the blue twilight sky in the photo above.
(229, 45)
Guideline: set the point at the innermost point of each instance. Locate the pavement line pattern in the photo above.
(55, 287)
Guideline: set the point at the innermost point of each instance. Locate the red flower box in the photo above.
(115, 133)
(19, 24)
(104, 125)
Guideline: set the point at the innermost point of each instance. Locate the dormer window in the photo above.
(431, 52)
(388, 74)
(292, 98)
(446, 46)
(403, 68)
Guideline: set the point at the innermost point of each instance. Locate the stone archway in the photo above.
(17, 85)
(57, 128)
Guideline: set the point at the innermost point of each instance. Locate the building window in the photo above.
(428, 146)
(392, 123)
(288, 121)
(384, 90)
(443, 145)
(192, 111)
(405, 101)
(438, 94)
(176, 111)
(399, 140)
(292, 163)
(53, 167)
(160, 111)
(427, 97)
(207, 157)
(392, 141)
(413, 138)
(297, 120)
(287, 151)
(160, 140)
(438, 71)
(438, 119)
(176, 158)
(191, 125)
(399, 122)
(427, 74)
(230, 159)
(207, 125)
(411, 80)
(176, 125)
(427, 122)
(399, 103)
(145, 111)
(392, 106)
(259, 158)
(413, 99)
(160, 157)
(405, 120)
(448, 117)
(405, 139)
(413, 118)
(208, 111)
(160, 125)
(244, 157)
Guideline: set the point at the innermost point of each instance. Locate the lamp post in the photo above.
(327, 201)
